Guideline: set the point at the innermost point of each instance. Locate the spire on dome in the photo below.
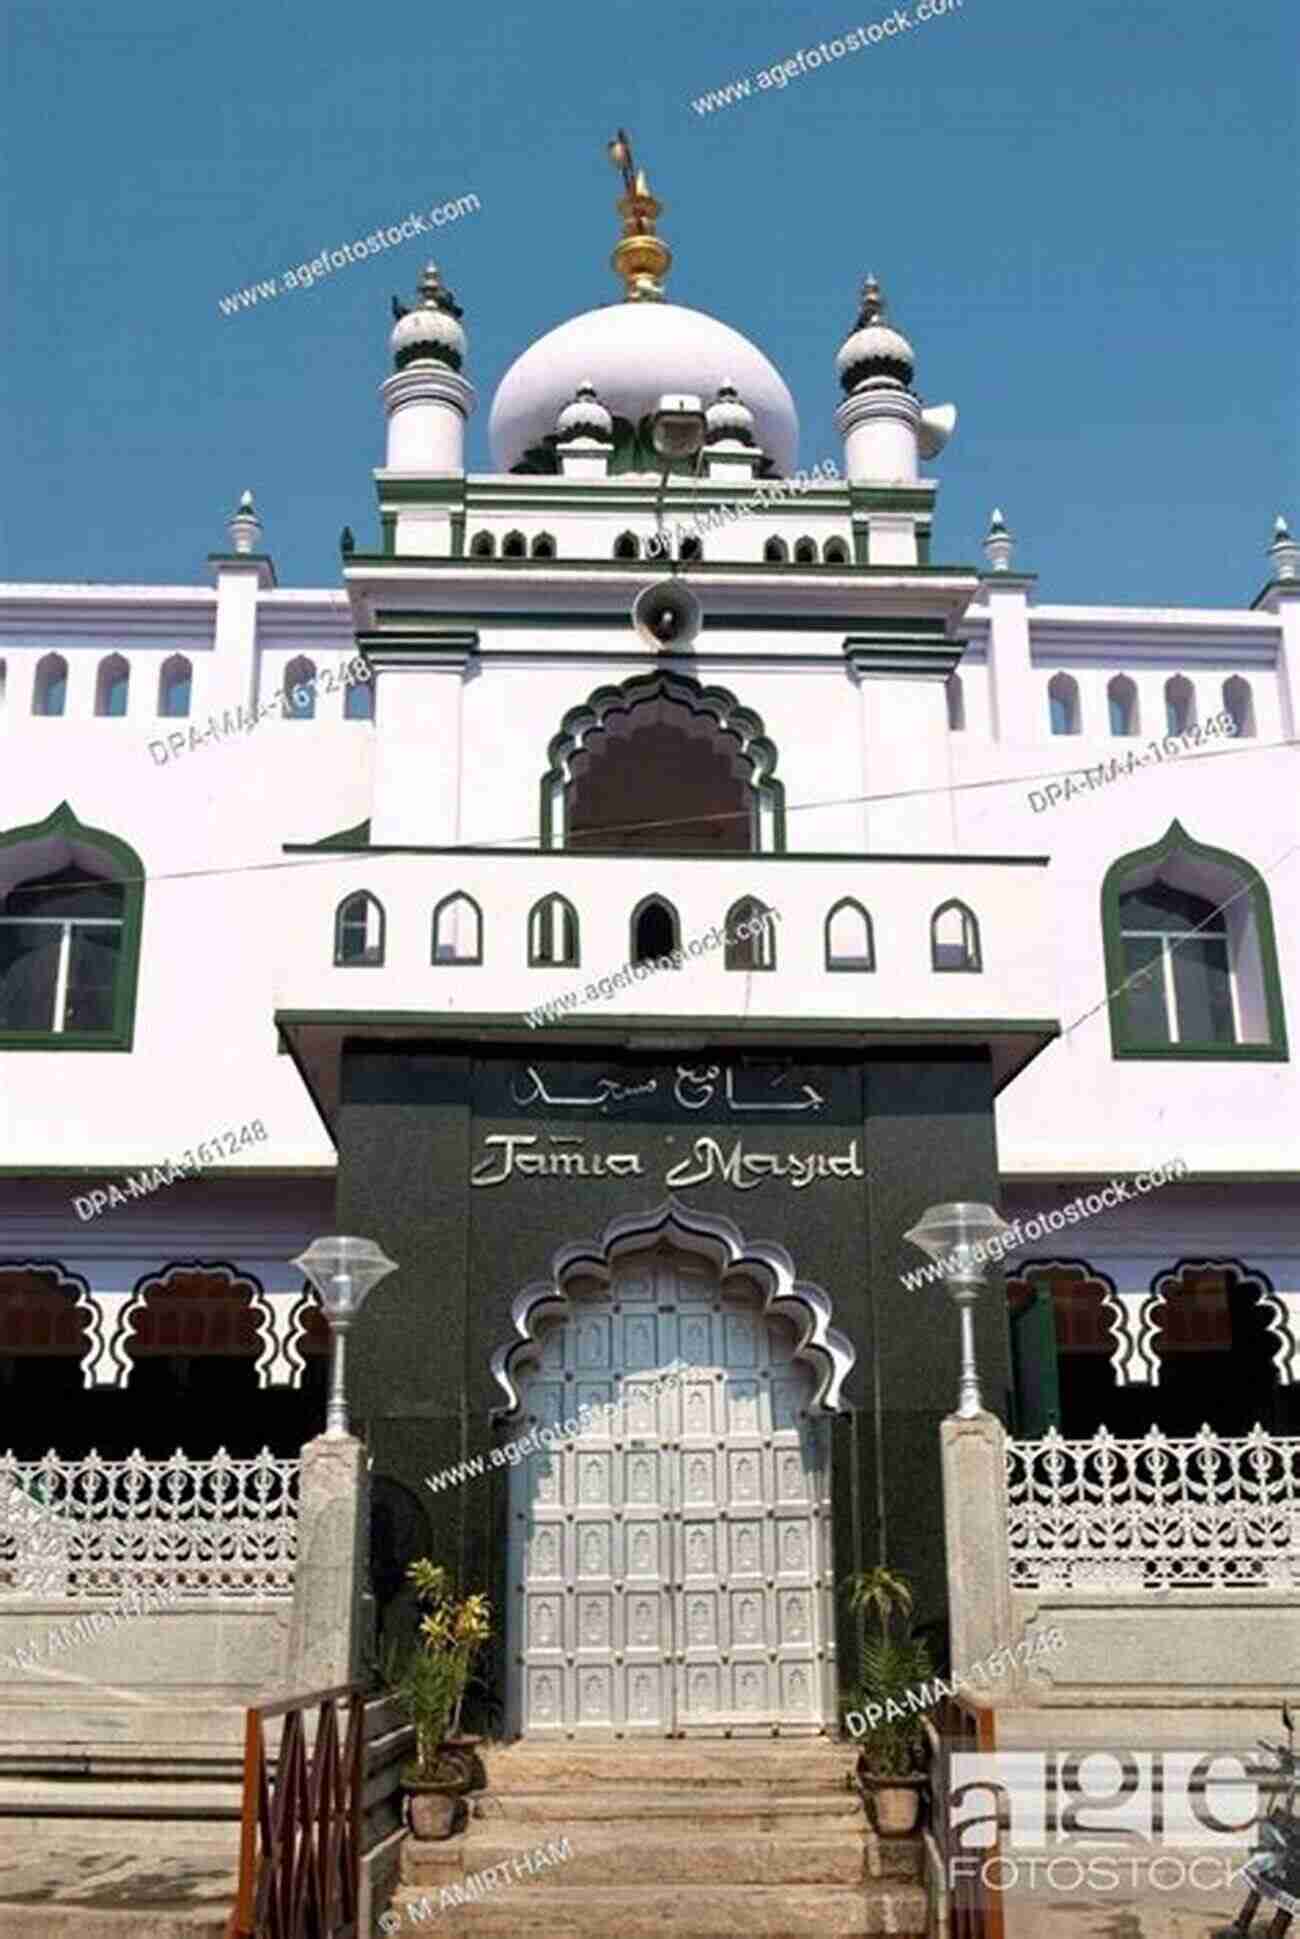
(1284, 551)
(245, 528)
(432, 330)
(642, 258)
(875, 348)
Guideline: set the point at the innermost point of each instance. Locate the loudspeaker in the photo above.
(667, 615)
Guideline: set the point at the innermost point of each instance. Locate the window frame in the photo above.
(664, 902)
(455, 962)
(973, 941)
(364, 961)
(762, 943)
(1063, 687)
(566, 914)
(849, 965)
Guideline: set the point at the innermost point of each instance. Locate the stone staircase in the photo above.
(671, 1840)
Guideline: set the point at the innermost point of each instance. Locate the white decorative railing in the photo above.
(1200, 1513)
(91, 1527)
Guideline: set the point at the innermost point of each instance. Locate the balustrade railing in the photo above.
(1204, 1512)
(223, 1526)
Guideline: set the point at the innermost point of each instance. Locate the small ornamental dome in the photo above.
(728, 418)
(585, 417)
(431, 331)
(874, 350)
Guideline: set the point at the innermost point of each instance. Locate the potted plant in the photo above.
(429, 1681)
(891, 1761)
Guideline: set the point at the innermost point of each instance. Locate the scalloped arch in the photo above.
(741, 724)
(710, 1236)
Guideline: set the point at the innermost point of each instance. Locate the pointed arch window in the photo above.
(50, 688)
(805, 552)
(1180, 705)
(1190, 955)
(175, 682)
(776, 552)
(553, 934)
(112, 687)
(514, 546)
(71, 908)
(750, 936)
(2, 683)
(359, 932)
(656, 930)
(692, 548)
(850, 942)
(482, 546)
(955, 938)
(543, 546)
(1122, 702)
(458, 930)
(1063, 703)
(300, 688)
(835, 552)
(1239, 704)
(627, 546)
(956, 702)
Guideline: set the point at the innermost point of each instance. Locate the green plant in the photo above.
(429, 1679)
(889, 1665)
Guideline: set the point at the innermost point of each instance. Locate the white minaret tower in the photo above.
(884, 427)
(426, 398)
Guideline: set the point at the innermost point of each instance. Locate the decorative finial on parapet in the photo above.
(347, 542)
(642, 258)
(245, 528)
(1284, 552)
(998, 543)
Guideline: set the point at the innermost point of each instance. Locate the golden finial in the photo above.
(642, 258)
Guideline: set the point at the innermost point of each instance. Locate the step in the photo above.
(61, 1881)
(172, 1798)
(603, 1856)
(794, 1768)
(518, 1911)
(739, 1810)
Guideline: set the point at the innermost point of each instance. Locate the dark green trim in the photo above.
(742, 568)
(455, 962)
(388, 521)
(866, 968)
(973, 968)
(664, 902)
(420, 491)
(861, 543)
(378, 961)
(1176, 840)
(343, 845)
(892, 498)
(129, 871)
(555, 962)
(352, 841)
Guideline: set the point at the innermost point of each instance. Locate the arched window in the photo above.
(543, 546)
(750, 936)
(805, 552)
(300, 688)
(483, 546)
(2, 683)
(359, 700)
(1190, 956)
(956, 699)
(1180, 705)
(850, 944)
(955, 938)
(1063, 703)
(71, 905)
(627, 546)
(552, 933)
(692, 548)
(776, 552)
(513, 546)
(50, 688)
(1237, 700)
(359, 932)
(655, 930)
(112, 685)
(1122, 701)
(835, 552)
(458, 930)
(175, 680)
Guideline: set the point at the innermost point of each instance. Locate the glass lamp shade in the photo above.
(952, 1233)
(678, 426)
(343, 1271)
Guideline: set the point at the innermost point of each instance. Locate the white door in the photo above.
(670, 1568)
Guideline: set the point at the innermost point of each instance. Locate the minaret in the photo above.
(884, 427)
(426, 398)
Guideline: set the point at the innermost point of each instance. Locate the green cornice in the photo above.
(1176, 840)
(344, 844)
(892, 498)
(650, 568)
(127, 869)
(420, 491)
(349, 840)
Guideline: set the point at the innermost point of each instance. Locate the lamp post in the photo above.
(958, 1237)
(343, 1272)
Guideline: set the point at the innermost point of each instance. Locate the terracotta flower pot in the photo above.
(894, 1802)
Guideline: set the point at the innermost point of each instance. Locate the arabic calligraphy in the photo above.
(705, 1082)
(693, 1090)
(607, 1091)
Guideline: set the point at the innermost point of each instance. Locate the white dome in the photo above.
(633, 353)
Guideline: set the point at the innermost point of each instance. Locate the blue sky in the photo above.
(1084, 218)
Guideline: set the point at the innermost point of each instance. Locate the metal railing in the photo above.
(300, 1837)
(222, 1526)
(1205, 1512)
